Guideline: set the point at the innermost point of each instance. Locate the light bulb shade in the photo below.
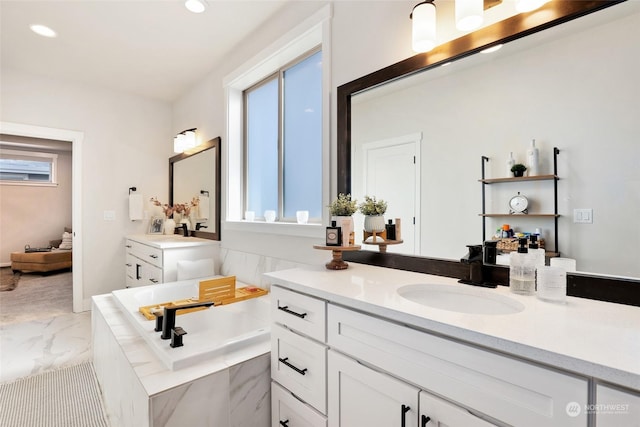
(195, 6)
(529, 5)
(469, 14)
(423, 31)
(190, 139)
(179, 143)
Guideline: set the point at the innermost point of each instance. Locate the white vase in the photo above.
(374, 223)
(346, 223)
(169, 226)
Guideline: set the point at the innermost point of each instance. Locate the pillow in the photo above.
(195, 269)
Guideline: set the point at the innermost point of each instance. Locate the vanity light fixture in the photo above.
(43, 30)
(423, 28)
(529, 5)
(195, 6)
(469, 14)
(184, 141)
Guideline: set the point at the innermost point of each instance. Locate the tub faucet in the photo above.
(184, 229)
(169, 329)
(473, 259)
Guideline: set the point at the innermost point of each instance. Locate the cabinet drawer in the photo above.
(286, 409)
(130, 265)
(504, 388)
(146, 253)
(299, 312)
(439, 412)
(152, 275)
(616, 408)
(300, 365)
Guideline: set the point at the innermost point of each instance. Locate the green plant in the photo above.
(371, 206)
(343, 206)
(518, 167)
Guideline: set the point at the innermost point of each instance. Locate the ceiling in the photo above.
(153, 48)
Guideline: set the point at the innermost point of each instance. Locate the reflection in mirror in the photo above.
(565, 87)
(196, 174)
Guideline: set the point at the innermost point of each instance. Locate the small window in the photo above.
(27, 168)
(283, 122)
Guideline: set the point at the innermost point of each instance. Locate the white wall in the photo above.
(126, 143)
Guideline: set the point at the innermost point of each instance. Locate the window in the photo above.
(283, 141)
(26, 167)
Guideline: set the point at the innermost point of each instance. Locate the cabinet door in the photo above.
(616, 408)
(359, 396)
(436, 412)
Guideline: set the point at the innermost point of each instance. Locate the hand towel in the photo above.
(203, 208)
(136, 207)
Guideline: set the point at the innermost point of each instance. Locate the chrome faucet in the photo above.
(169, 329)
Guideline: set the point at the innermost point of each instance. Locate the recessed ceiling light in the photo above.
(43, 30)
(195, 6)
(491, 49)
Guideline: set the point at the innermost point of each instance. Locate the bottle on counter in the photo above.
(334, 235)
(532, 159)
(535, 250)
(552, 284)
(391, 230)
(522, 270)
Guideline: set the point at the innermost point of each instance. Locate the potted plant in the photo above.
(373, 211)
(518, 169)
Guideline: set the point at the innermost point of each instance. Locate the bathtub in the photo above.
(211, 333)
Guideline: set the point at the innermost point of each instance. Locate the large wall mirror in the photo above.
(196, 173)
(572, 86)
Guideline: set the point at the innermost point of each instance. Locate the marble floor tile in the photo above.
(34, 347)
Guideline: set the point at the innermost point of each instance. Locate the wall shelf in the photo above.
(553, 177)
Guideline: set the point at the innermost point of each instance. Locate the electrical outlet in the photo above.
(583, 216)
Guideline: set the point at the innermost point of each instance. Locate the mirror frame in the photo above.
(213, 144)
(551, 14)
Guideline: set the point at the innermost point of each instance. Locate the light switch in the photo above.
(109, 215)
(583, 216)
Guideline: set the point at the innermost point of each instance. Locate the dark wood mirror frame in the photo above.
(554, 13)
(213, 144)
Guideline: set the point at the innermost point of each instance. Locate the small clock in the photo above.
(518, 204)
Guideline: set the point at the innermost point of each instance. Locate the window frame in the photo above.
(32, 155)
(279, 76)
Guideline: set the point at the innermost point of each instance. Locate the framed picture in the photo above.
(156, 225)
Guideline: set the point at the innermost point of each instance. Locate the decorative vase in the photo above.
(346, 223)
(374, 223)
(169, 226)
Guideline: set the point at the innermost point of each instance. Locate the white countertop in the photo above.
(592, 338)
(167, 241)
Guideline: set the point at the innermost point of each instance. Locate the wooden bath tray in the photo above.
(221, 291)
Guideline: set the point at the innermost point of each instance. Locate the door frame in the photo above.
(76, 138)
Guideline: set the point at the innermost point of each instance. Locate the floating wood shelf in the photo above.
(520, 215)
(519, 179)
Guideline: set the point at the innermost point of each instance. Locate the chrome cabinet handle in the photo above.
(425, 420)
(286, 310)
(295, 368)
(403, 411)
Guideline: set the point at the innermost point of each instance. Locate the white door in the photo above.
(386, 164)
(436, 412)
(359, 396)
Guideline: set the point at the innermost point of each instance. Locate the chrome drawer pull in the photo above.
(286, 310)
(298, 370)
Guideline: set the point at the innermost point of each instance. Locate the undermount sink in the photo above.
(462, 300)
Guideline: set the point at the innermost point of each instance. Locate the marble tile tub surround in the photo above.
(132, 377)
(250, 268)
(592, 338)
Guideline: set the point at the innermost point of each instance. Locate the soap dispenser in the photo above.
(522, 270)
(535, 250)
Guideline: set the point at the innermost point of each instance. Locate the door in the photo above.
(359, 396)
(386, 164)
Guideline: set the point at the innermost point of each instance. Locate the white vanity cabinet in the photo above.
(616, 408)
(298, 360)
(151, 260)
